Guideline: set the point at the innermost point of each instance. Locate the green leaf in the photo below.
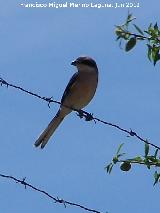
(155, 56)
(137, 159)
(156, 27)
(120, 155)
(118, 37)
(156, 177)
(156, 153)
(146, 32)
(130, 18)
(150, 27)
(119, 148)
(108, 167)
(146, 149)
(149, 52)
(138, 29)
(130, 44)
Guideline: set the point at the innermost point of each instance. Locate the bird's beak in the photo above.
(73, 63)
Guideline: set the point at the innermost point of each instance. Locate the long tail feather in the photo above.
(48, 132)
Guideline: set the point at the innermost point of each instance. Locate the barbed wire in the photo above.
(56, 200)
(81, 113)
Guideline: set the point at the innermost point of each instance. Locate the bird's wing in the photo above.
(69, 86)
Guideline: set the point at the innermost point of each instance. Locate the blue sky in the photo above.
(37, 46)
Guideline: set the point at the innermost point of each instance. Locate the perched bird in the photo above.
(78, 93)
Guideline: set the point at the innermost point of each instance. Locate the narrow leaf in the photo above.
(120, 155)
(150, 27)
(146, 149)
(146, 32)
(108, 167)
(156, 27)
(138, 29)
(156, 177)
(130, 18)
(155, 54)
(149, 52)
(119, 148)
(156, 153)
(118, 37)
(156, 57)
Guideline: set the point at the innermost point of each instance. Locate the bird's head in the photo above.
(85, 63)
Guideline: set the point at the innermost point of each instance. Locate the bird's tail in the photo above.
(47, 133)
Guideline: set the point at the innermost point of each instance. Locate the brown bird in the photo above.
(78, 93)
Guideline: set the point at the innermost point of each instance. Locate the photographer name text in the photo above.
(80, 5)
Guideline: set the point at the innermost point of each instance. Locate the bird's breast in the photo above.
(82, 90)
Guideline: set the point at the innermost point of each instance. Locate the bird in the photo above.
(78, 93)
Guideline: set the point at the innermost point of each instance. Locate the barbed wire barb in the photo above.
(81, 113)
